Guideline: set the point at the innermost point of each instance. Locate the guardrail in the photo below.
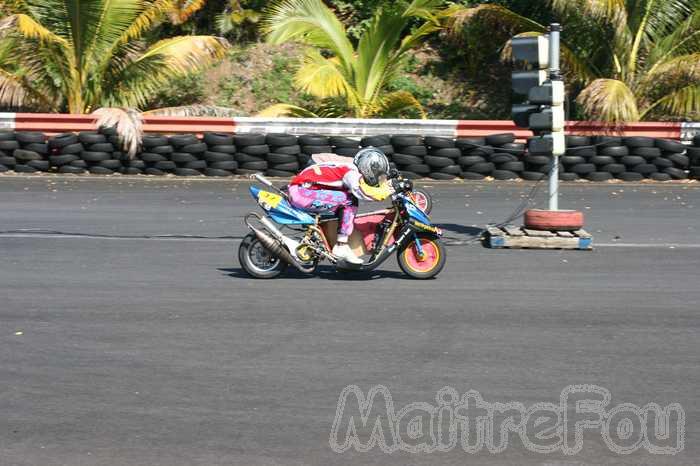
(57, 123)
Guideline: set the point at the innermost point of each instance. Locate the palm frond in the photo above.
(167, 59)
(685, 39)
(416, 37)
(686, 66)
(116, 17)
(459, 17)
(30, 29)
(322, 77)
(665, 16)
(424, 9)
(374, 52)
(13, 92)
(397, 103)
(608, 10)
(681, 103)
(285, 110)
(152, 12)
(129, 125)
(310, 22)
(606, 15)
(609, 100)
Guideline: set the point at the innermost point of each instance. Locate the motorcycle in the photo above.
(403, 229)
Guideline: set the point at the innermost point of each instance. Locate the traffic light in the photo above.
(538, 91)
(538, 96)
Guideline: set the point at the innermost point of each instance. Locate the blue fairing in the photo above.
(283, 212)
(415, 213)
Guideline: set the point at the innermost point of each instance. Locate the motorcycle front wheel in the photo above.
(424, 266)
(257, 261)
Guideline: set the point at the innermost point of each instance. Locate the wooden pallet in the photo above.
(518, 237)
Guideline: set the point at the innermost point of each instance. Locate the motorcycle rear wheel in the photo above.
(429, 265)
(257, 261)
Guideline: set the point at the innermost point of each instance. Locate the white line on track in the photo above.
(37, 235)
(646, 245)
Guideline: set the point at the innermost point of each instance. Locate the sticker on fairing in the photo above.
(267, 198)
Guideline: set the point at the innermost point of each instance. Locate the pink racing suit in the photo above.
(331, 186)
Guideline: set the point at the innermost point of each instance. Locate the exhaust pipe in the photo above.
(276, 247)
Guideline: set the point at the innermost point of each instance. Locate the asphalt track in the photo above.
(130, 336)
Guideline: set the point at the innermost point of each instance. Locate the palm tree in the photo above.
(635, 60)
(334, 69)
(79, 55)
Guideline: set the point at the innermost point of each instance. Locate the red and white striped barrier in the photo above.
(58, 123)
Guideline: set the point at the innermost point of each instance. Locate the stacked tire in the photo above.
(187, 158)
(578, 161)
(220, 154)
(251, 153)
(31, 152)
(313, 144)
(284, 159)
(154, 158)
(474, 158)
(694, 158)
(345, 147)
(8, 145)
(507, 157)
(442, 158)
(641, 159)
(66, 149)
(409, 156)
(99, 155)
(675, 153)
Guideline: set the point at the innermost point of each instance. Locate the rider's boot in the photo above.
(343, 251)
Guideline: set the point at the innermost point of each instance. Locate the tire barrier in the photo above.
(499, 156)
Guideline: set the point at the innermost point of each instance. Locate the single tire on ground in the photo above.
(599, 176)
(630, 176)
(563, 176)
(537, 219)
(473, 176)
(187, 172)
(279, 173)
(441, 176)
(532, 176)
(504, 175)
(217, 172)
(660, 177)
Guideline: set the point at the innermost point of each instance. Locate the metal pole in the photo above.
(554, 30)
(554, 183)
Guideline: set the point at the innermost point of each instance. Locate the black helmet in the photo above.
(371, 163)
